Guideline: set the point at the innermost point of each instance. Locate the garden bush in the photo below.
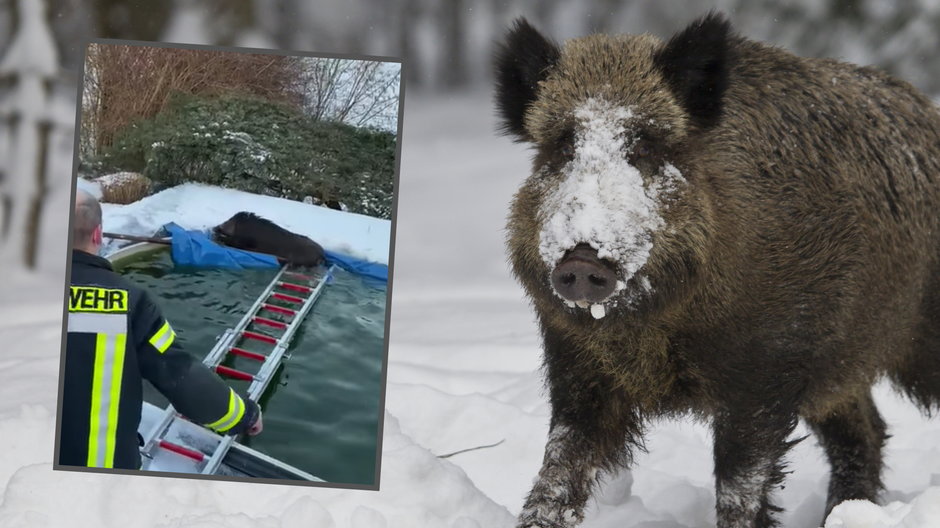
(261, 147)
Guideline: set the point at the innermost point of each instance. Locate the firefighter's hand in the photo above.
(257, 426)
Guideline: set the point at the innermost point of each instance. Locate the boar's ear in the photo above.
(695, 63)
(521, 61)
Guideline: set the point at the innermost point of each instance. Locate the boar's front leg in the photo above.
(853, 437)
(592, 430)
(749, 447)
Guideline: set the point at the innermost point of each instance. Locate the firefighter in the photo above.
(116, 338)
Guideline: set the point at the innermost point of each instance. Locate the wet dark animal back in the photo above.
(251, 232)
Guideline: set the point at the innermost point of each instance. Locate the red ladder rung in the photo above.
(295, 287)
(278, 309)
(269, 322)
(245, 353)
(233, 373)
(186, 452)
(288, 298)
(259, 337)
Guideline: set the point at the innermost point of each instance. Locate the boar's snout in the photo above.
(225, 228)
(582, 276)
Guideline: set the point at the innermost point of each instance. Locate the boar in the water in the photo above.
(251, 232)
(717, 227)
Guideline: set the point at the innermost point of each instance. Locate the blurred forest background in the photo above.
(446, 44)
(446, 48)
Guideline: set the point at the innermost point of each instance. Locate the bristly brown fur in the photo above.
(801, 260)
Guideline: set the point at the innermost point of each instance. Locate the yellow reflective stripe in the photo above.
(231, 409)
(236, 410)
(117, 370)
(163, 338)
(237, 418)
(94, 424)
(105, 398)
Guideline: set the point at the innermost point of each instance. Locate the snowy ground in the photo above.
(463, 372)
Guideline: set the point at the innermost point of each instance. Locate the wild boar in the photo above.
(251, 232)
(716, 227)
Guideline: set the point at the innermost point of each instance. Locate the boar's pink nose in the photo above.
(582, 276)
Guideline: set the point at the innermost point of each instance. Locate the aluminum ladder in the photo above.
(249, 328)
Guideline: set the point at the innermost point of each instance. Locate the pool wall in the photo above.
(132, 252)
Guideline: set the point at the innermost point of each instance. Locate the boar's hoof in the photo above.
(582, 276)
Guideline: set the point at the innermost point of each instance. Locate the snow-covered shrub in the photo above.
(262, 147)
(123, 187)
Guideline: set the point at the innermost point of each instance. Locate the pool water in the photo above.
(321, 410)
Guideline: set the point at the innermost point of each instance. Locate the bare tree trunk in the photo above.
(8, 125)
(7, 202)
(72, 22)
(31, 62)
(453, 65)
(40, 191)
(288, 24)
(408, 13)
(499, 24)
(131, 20)
(24, 190)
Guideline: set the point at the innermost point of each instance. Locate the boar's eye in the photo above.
(566, 144)
(643, 149)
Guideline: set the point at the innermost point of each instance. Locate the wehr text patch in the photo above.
(91, 299)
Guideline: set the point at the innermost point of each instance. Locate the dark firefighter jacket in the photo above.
(116, 338)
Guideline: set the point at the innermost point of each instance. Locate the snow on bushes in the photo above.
(261, 147)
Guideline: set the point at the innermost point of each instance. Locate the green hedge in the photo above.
(260, 147)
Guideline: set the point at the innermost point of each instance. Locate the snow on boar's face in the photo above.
(610, 218)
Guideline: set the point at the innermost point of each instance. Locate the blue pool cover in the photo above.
(196, 249)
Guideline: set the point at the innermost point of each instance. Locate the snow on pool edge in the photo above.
(200, 207)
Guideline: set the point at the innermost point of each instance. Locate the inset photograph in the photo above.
(231, 236)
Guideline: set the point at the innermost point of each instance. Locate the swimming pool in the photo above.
(321, 411)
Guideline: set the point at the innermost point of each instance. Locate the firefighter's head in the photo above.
(86, 225)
